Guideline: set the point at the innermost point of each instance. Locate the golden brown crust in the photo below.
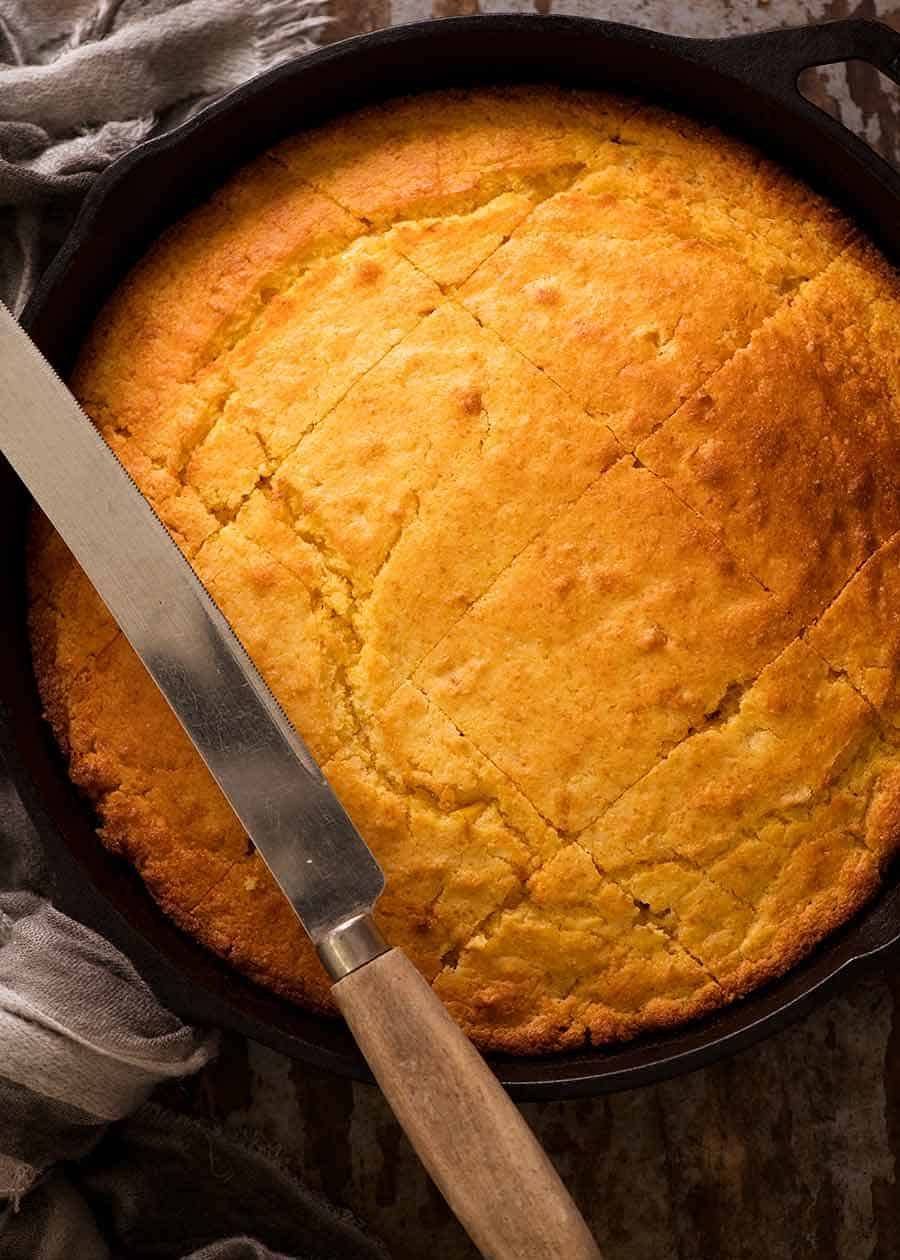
(859, 635)
(622, 729)
(751, 835)
(454, 151)
(793, 448)
(643, 664)
(574, 961)
(656, 216)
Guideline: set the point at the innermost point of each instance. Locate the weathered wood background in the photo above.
(788, 1151)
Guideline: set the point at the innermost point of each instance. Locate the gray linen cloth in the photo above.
(82, 81)
(83, 1041)
(89, 1167)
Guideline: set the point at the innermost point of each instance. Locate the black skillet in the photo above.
(748, 84)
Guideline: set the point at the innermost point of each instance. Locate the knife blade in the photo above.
(474, 1143)
(319, 859)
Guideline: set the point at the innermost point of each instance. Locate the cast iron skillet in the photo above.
(748, 84)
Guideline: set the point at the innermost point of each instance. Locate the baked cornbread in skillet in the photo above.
(543, 450)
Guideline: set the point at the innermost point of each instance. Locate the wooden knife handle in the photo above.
(482, 1155)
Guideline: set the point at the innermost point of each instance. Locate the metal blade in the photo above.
(265, 770)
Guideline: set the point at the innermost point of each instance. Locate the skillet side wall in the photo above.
(146, 191)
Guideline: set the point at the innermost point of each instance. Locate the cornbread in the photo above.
(543, 450)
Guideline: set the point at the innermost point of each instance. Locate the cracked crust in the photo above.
(657, 662)
(542, 450)
(799, 465)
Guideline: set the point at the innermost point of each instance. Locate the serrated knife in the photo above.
(471, 1138)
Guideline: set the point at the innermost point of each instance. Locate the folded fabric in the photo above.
(83, 1042)
(86, 80)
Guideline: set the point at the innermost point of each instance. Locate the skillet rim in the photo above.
(762, 67)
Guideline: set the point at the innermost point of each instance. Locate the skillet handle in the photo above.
(772, 61)
(467, 1131)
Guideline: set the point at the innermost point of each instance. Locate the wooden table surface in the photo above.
(787, 1151)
